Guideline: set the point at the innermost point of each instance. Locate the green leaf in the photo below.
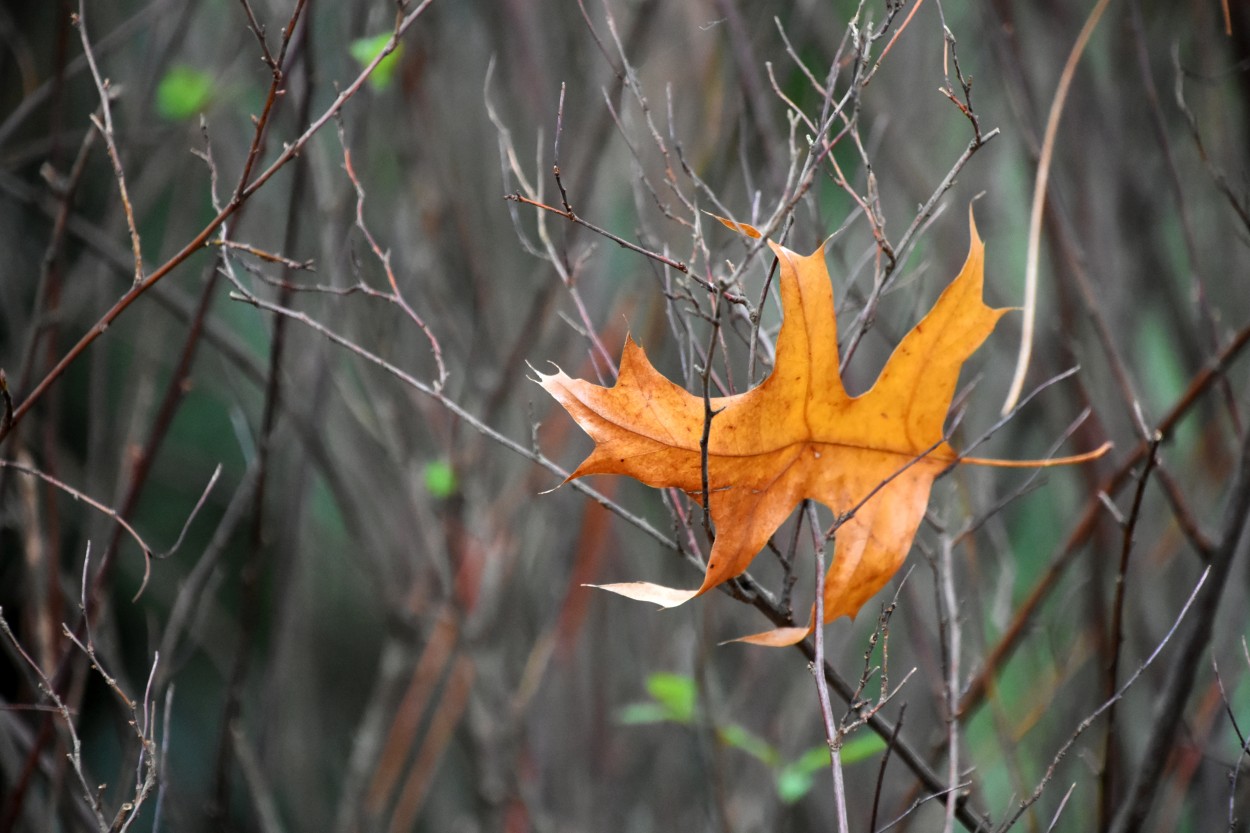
(813, 759)
(183, 93)
(637, 714)
(364, 50)
(440, 479)
(793, 783)
(674, 700)
(861, 748)
(795, 779)
(755, 746)
(676, 693)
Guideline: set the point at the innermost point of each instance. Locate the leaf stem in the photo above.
(1039, 464)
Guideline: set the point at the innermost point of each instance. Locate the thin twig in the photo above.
(384, 258)
(1040, 184)
(1241, 739)
(1110, 756)
(75, 754)
(242, 194)
(951, 638)
(902, 249)
(195, 510)
(1059, 810)
(270, 257)
(916, 804)
(94, 504)
(1089, 721)
(833, 734)
(1239, 204)
(1170, 705)
(708, 413)
(105, 126)
(1084, 526)
(885, 760)
(744, 587)
(572, 217)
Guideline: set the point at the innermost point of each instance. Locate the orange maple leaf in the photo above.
(871, 458)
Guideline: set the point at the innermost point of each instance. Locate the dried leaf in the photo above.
(871, 459)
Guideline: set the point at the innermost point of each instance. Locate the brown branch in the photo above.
(105, 125)
(1084, 526)
(1240, 207)
(270, 257)
(1110, 750)
(1204, 581)
(250, 601)
(568, 214)
(59, 707)
(384, 258)
(1170, 705)
(834, 735)
(744, 588)
(90, 501)
(1159, 125)
(242, 194)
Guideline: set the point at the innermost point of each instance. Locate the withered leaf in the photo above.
(797, 435)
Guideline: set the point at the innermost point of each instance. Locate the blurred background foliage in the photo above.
(377, 619)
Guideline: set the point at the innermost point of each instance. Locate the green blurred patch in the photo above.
(755, 746)
(675, 700)
(183, 93)
(1164, 378)
(796, 778)
(440, 479)
(364, 50)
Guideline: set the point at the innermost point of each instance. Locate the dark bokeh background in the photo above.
(390, 632)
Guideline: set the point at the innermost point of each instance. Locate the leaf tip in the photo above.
(741, 228)
(545, 380)
(972, 225)
(645, 591)
(776, 638)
